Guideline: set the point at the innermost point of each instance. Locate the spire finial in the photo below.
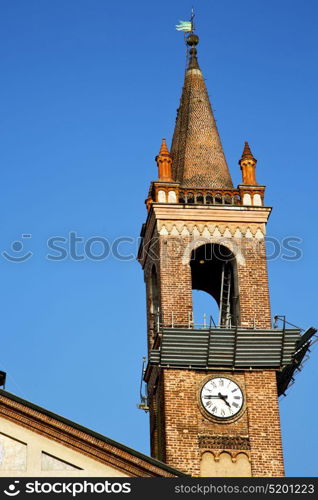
(164, 162)
(192, 41)
(248, 164)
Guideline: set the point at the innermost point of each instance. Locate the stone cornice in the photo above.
(237, 214)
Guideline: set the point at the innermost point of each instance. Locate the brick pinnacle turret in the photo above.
(248, 164)
(164, 163)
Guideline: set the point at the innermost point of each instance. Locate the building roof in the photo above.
(198, 157)
(82, 439)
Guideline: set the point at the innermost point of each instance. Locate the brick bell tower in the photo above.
(212, 389)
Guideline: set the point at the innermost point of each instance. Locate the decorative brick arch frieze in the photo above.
(233, 453)
(225, 463)
(211, 230)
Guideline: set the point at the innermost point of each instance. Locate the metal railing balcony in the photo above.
(234, 348)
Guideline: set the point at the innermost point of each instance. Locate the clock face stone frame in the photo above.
(209, 415)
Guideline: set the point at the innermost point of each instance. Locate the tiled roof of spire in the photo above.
(198, 157)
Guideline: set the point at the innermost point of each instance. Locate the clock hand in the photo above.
(211, 397)
(224, 399)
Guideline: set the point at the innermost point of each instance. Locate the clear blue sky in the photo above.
(88, 88)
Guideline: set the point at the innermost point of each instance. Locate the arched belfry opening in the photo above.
(154, 291)
(154, 300)
(214, 271)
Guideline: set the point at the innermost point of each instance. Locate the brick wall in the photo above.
(264, 424)
(175, 279)
(253, 286)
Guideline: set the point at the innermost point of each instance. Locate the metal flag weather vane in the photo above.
(186, 26)
(189, 37)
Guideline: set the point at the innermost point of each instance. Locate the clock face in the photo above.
(222, 397)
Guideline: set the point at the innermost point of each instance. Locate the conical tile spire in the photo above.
(198, 157)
